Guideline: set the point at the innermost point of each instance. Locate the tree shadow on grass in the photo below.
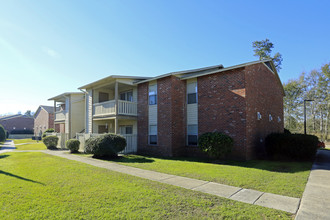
(19, 177)
(3, 156)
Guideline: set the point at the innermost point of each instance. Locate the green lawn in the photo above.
(284, 178)
(21, 141)
(34, 146)
(38, 186)
(28, 144)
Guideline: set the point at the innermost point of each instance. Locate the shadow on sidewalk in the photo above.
(322, 160)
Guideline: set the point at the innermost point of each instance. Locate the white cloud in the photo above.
(51, 52)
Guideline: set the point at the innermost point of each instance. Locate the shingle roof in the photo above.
(49, 109)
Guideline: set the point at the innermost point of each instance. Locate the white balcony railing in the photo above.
(60, 116)
(127, 108)
(109, 108)
(104, 108)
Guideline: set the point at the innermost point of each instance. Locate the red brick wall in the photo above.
(170, 121)
(265, 95)
(142, 119)
(19, 123)
(222, 105)
(51, 118)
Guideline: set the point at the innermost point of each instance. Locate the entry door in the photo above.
(102, 129)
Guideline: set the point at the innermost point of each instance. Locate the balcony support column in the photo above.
(116, 126)
(54, 113)
(116, 98)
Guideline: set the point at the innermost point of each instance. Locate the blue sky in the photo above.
(51, 47)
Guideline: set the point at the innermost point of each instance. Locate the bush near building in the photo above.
(291, 146)
(215, 144)
(107, 145)
(3, 133)
(72, 145)
(50, 142)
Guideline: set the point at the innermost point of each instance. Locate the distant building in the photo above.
(43, 119)
(17, 122)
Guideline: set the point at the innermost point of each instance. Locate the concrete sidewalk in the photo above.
(7, 147)
(315, 203)
(268, 200)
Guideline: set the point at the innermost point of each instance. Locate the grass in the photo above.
(284, 178)
(28, 144)
(34, 146)
(38, 186)
(22, 141)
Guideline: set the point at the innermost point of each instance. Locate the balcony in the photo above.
(60, 116)
(108, 108)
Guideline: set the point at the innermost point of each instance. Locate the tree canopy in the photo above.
(263, 50)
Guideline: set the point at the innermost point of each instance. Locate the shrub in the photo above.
(2, 133)
(72, 145)
(22, 132)
(287, 131)
(291, 146)
(107, 145)
(49, 130)
(50, 141)
(215, 144)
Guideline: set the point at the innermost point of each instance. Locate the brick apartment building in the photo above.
(243, 101)
(17, 122)
(43, 119)
(164, 115)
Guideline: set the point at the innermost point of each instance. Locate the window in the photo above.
(126, 129)
(258, 116)
(270, 117)
(192, 131)
(192, 93)
(153, 134)
(279, 119)
(153, 94)
(126, 96)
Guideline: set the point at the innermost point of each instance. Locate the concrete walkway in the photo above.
(268, 200)
(315, 203)
(7, 147)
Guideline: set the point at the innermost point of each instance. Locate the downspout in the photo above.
(86, 93)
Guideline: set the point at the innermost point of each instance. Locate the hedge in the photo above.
(72, 145)
(50, 142)
(49, 130)
(291, 146)
(215, 144)
(107, 145)
(22, 132)
(3, 133)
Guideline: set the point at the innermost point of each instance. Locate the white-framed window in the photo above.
(270, 117)
(192, 134)
(278, 118)
(153, 134)
(259, 116)
(192, 93)
(126, 96)
(153, 94)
